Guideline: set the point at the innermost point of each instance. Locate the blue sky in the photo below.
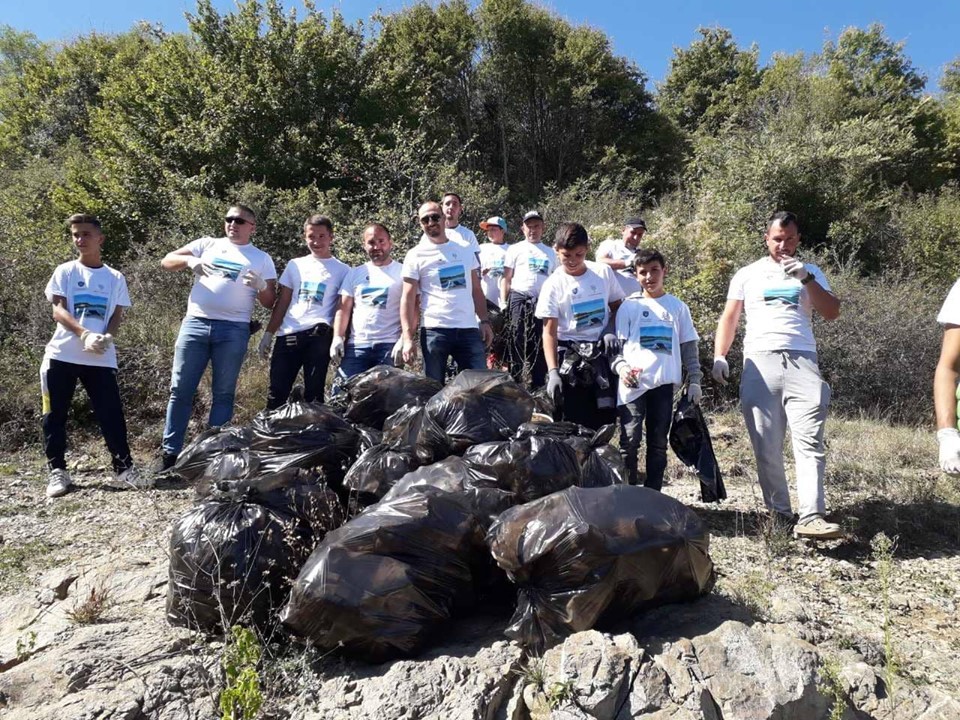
(646, 32)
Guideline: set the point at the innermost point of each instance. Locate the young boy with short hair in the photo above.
(88, 298)
(659, 343)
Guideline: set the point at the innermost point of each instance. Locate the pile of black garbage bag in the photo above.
(367, 524)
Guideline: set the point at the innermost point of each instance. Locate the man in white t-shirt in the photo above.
(230, 274)
(370, 308)
(88, 298)
(526, 267)
(945, 391)
(302, 318)
(444, 275)
(452, 207)
(659, 344)
(618, 255)
(577, 304)
(781, 383)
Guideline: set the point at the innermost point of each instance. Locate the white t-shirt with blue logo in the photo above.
(652, 330)
(93, 294)
(315, 285)
(778, 307)
(581, 303)
(376, 303)
(446, 286)
(224, 296)
(617, 249)
(532, 264)
(491, 261)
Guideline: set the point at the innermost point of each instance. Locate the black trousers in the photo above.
(653, 410)
(526, 340)
(104, 393)
(307, 349)
(586, 405)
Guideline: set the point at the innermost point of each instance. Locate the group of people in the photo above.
(603, 338)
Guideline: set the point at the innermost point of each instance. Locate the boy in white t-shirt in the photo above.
(443, 275)
(492, 255)
(781, 383)
(659, 342)
(576, 305)
(526, 267)
(88, 298)
(302, 318)
(945, 391)
(230, 274)
(370, 309)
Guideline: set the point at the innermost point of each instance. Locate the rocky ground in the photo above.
(854, 628)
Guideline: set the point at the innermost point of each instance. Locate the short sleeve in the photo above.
(950, 312)
(737, 291)
(819, 277)
(510, 259)
(122, 295)
(603, 250)
(411, 268)
(290, 277)
(199, 245)
(547, 305)
(57, 284)
(269, 269)
(685, 330)
(349, 284)
(614, 291)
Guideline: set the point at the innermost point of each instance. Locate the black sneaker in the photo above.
(163, 464)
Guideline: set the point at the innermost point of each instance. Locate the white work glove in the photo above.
(397, 353)
(694, 393)
(628, 375)
(263, 349)
(794, 268)
(949, 440)
(200, 268)
(102, 342)
(554, 385)
(721, 371)
(504, 304)
(93, 342)
(336, 347)
(252, 279)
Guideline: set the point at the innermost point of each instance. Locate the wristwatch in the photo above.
(808, 278)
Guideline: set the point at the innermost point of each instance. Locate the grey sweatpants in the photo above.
(778, 388)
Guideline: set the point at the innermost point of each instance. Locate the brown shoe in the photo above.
(816, 528)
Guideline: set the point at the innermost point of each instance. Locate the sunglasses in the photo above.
(430, 218)
(235, 220)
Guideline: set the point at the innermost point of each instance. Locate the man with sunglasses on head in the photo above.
(229, 275)
(444, 275)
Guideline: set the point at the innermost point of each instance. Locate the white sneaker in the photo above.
(132, 479)
(58, 483)
(816, 528)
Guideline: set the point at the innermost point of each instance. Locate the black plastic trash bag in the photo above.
(231, 465)
(531, 467)
(690, 440)
(474, 485)
(306, 435)
(194, 458)
(232, 559)
(600, 463)
(376, 471)
(477, 406)
(374, 395)
(603, 466)
(400, 430)
(386, 582)
(589, 555)
(369, 437)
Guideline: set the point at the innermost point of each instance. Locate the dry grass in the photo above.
(93, 608)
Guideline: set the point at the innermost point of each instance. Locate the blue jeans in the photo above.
(464, 345)
(358, 359)
(222, 344)
(655, 410)
(307, 349)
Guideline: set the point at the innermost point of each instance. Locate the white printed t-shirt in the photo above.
(224, 296)
(315, 284)
(950, 312)
(93, 294)
(581, 303)
(532, 264)
(778, 307)
(652, 330)
(459, 235)
(491, 260)
(376, 303)
(616, 249)
(446, 290)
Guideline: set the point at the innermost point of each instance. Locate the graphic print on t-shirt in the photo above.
(538, 266)
(89, 306)
(589, 313)
(227, 268)
(376, 296)
(452, 277)
(496, 269)
(782, 295)
(658, 338)
(312, 292)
